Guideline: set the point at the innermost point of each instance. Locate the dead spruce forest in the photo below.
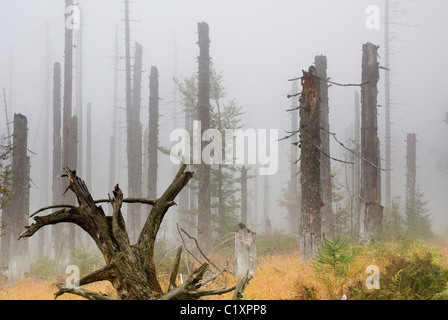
(246, 150)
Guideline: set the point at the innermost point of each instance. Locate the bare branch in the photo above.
(199, 249)
(52, 207)
(89, 295)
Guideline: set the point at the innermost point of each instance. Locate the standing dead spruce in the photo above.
(130, 268)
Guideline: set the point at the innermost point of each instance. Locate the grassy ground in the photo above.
(412, 270)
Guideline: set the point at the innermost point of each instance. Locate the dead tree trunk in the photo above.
(19, 260)
(310, 142)
(135, 158)
(325, 164)
(267, 225)
(372, 211)
(293, 207)
(45, 173)
(153, 142)
(73, 164)
(89, 146)
(113, 139)
(67, 149)
(204, 197)
(130, 268)
(411, 172)
(388, 196)
(56, 231)
(245, 251)
(357, 172)
(244, 196)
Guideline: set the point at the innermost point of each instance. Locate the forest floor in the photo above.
(410, 270)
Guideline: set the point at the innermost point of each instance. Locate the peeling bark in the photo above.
(310, 141)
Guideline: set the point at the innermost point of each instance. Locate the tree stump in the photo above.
(245, 251)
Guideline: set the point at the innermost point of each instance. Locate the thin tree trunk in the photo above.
(266, 220)
(135, 158)
(204, 198)
(89, 146)
(388, 196)
(73, 163)
(67, 149)
(411, 172)
(45, 173)
(294, 207)
(325, 163)
(370, 150)
(113, 142)
(56, 231)
(244, 196)
(310, 141)
(153, 144)
(357, 171)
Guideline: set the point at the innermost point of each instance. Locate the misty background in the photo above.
(257, 46)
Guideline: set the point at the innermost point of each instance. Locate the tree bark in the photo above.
(310, 142)
(135, 158)
(204, 197)
(372, 213)
(19, 260)
(325, 164)
(245, 251)
(130, 268)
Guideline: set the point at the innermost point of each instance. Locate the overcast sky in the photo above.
(257, 45)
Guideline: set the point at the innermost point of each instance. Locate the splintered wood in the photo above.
(245, 251)
(309, 96)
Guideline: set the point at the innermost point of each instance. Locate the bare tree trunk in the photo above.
(153, 142)
(45, 171)
(135, 158)
(19, 260)
(113, 142)
(325, 164)
(56, 231)
(245, 251)
(372, 213)
(266, 220)
(294, 207)
(388, 197)
(244, 196)
(310, 141)
(184, 196)
(357, 171)
(67, 148)
(73, 164)
(204, 198)
(89, 146)
(79, 93)
(411, 172)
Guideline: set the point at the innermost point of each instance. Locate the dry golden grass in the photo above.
(278, 277)
(32, 289)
